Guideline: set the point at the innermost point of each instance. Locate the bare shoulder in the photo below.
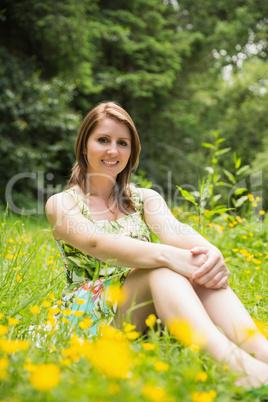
(60, 204)
(147, 194)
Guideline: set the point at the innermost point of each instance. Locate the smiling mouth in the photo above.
(106, 163)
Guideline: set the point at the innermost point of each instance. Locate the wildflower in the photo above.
(128, 327)
(13, 321)
(248, 272)
(161, 366)
(46, 303)
(9, 256)
(153, 393)
(18, 279)
(80, 301)
(258, 297)
(59, 303)
(148, 346)
(244, 237)
(194, 348)
(201, 377)
(231, 224)
(11, 346)
(204, 396)
(235, 250)
(257, 268)
(184, 332)
(35, 309)
(150, 320)
(116, 294)
(65, 362)
(250, 197)
(226, 367)
(45, 377)
(54, 310)
(254, 204)
(257, 262)
(26, 240)
(67, 312)
(132, 335)
(51, 296)
(29, 367)
(227, 259)
(262, 212)
(65, 321)
(251, 234)
(86, 323)
(3, 329)
(4, 362)
(110, 354)
(78, 313)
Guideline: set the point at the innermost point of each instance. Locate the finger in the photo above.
(203, 270)
(211, 263)
(199, 250)
(219, 270)
(217, 282)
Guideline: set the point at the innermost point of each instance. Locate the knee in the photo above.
(163, 276)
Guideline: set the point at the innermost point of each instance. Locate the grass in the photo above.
(39, 365)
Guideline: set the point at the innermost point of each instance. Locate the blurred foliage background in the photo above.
(182, 69)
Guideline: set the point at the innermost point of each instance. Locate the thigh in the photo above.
(139, 303)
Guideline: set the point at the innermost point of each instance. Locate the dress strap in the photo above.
(81, 203)
(137, 200)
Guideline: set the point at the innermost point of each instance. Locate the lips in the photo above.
(110, 163)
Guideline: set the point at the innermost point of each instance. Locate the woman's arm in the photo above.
(213, 273)
(70, 225)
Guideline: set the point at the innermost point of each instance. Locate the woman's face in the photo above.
(108, 148)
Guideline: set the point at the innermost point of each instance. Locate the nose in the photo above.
(112, 151)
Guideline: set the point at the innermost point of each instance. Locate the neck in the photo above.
(100, 185)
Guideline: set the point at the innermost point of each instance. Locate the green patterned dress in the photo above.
(88, 278)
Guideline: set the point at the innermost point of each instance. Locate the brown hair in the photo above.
(111, 110)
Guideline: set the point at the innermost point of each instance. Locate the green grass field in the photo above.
(53, 365)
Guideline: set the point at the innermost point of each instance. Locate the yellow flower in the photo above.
(29, 367)
(11, 346)
(185, 333)
(59, 303)
(250, 197)
(4, 362)
(254, 204)
(26, 240)
(54, 310)
(9, 256)
(204, 396)
(235, 250)
(251, 234)
(258, 297)
(116, 294)
(67, 312)
(110, 354)
(51, 296)
(65, 321)
(231, 225)
(78, 313)
(13, 321)
(244, 237)
(194, 348)
(1, 316)
(154, 393)
(227, 259)
(18, 279)
(3, 329)
(201, 377)
(262, 212)
(161, 366)
(148, 346)
(257, 262)
(45, 377)
(86, 323)
(35, 309)
(128, 327)
(257, 268)
(65, 362)
(132, 335)
(46, 303)
(150, 320)
(80, 301)
(248, 272)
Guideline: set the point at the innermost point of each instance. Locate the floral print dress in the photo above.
(90, 279)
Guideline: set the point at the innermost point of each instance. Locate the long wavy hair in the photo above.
(121, 192)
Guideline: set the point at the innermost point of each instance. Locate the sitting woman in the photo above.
(102, 225)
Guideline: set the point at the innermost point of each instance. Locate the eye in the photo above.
(103, 140)
(123, 143)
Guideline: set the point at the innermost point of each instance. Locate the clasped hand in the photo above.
(213, 273)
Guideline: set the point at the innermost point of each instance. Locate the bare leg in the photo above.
(227, 312)
(174, 297)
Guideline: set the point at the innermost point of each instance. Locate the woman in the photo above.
(102, 225)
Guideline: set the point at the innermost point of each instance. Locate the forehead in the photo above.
(112, 127)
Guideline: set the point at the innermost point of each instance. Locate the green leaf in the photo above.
(230, 176)
(242, 170)
(240, 191)
(240, 201)
(207, 145)
(187, 196)
(222, 151)
(220, 140)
